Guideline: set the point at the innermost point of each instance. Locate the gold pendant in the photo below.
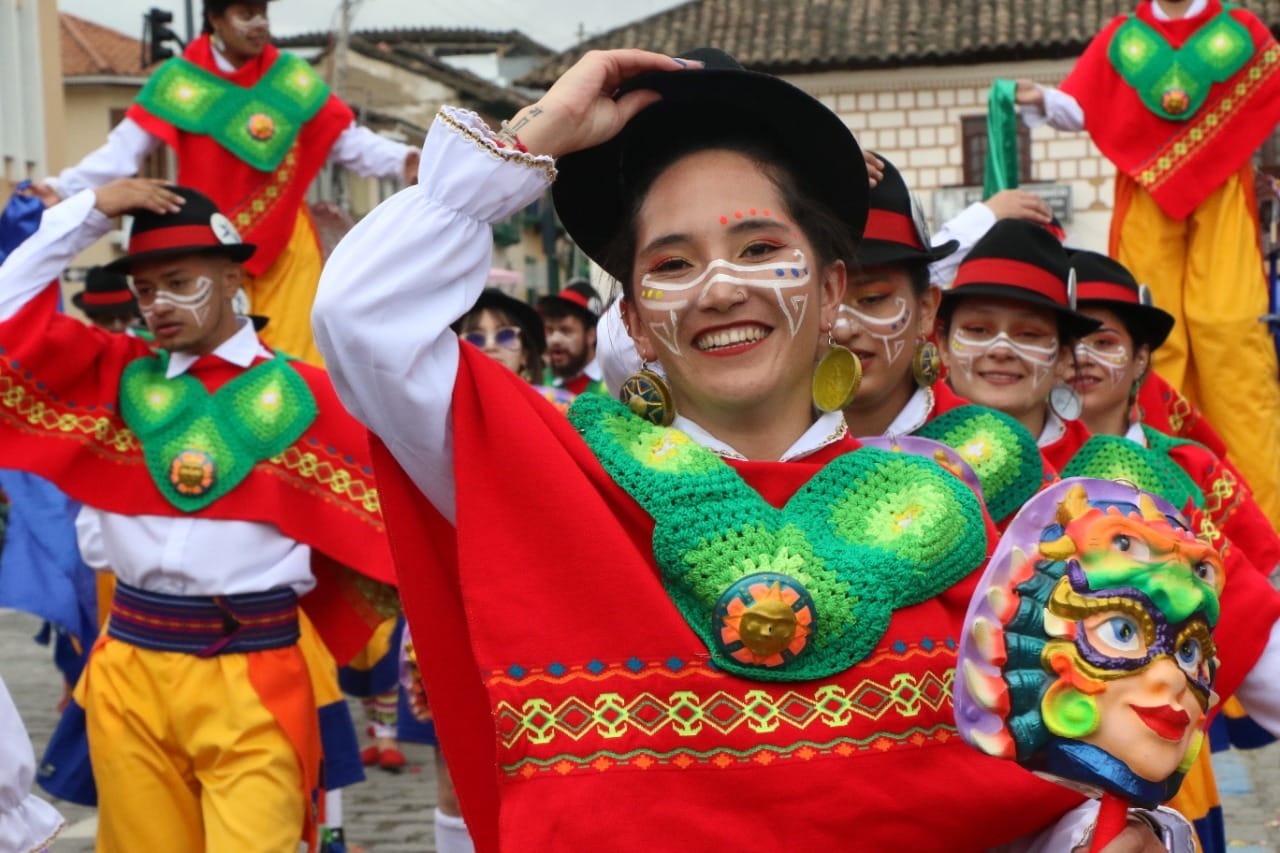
(836, 379)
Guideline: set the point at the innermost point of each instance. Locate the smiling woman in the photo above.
(747, 589)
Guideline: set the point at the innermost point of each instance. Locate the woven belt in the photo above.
(204, 625)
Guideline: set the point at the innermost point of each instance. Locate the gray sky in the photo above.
(555, 23)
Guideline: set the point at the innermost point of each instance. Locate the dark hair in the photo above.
(532, 363)
(214, 8)
(558, 309)
(829, 234)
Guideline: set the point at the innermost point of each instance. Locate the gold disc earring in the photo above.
(648, 395)
(836, 378)
(926, 364)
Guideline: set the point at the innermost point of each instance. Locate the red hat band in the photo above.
(890, 227)
(1106, 291)
(1010, 273)
(106, 297)
(194, 237)
(575, 297)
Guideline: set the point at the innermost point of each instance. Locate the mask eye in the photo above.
(1122, 634)
(1206, 572)
(1190, 654)
(1121, 542)
(1134, 548)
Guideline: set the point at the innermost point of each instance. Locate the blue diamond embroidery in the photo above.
(899, 647)
(927, 644)
(951, 644)
(595, 667)
(517, 671)
(634, 664)
(557, 669)
(674, 664)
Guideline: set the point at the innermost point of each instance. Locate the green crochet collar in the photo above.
(1001, 452)
(257, 124)
(1174, 82)
(199, 446)
(1113, 457)
(797, 593)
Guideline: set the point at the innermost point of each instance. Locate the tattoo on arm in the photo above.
(509, 130)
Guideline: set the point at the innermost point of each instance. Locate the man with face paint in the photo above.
(570, 318)
(226, 482)
(275, 126)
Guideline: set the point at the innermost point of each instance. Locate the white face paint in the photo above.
(892, 331)
(779, 277)
(196, 303)
(969, 348)
(1113, 358)
(249, 26)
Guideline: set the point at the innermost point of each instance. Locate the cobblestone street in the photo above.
(391, 813)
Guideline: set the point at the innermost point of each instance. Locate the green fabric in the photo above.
(1158, 71)
(197, 101)
(872, 532)
(1000, 172)
(1001, 452)
(253, 417)
(1114, 457)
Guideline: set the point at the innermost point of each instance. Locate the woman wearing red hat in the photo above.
(746, 636)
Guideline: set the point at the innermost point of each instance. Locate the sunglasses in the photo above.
(507, 337)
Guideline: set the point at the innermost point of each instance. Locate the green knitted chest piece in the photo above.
(199, 446)
(1174, 82)
(797, 593)
(257, 124)
(1001, 452)
(1113, 457)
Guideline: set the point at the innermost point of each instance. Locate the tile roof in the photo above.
(796, 36)
(479, 91)
(90, 49)
(441, 41)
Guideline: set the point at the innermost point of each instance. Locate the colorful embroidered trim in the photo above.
(198, 445)
(1174, 82)
(1180, 149)
(686, 713)
(324, 467)
(1113, 457)
(727, 759)
(258, 124)
(249, 213)
(872, 532)
(999, 450)
(31, 408)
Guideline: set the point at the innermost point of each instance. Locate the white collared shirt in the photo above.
(1054, 428)
(913, 415)
(1136, 434)
(826, 430)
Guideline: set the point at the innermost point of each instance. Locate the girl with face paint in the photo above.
(1006, 326)
(1109, 368)
(700, 563)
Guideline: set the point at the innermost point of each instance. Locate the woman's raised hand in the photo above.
(579, 110)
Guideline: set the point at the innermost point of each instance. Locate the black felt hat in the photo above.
(1023, 261)
(521, 313)
(896, 232)
(106, 294)
(578, 298)
(701, 106)
(1106, 282)
(198, 228)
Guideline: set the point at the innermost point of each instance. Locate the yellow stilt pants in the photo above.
(284, 293)
(1206, 270)
(185, 754)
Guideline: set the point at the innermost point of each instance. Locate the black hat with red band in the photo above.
(578, 298)
(199, 228)
(106, 294)
(1022, 261)
(1107, 283)
(896, 233)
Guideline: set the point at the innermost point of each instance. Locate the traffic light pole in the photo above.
(191, 25)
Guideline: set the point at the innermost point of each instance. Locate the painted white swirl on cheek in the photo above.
(890, 331)
(249, 26)
(968, 349)
(1113, 362)
(196, 303)
(673, 297)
